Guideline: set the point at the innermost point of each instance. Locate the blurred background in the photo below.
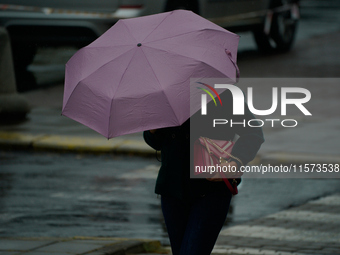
(68, 194)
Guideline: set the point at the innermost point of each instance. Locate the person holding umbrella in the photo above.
(196, 209)
(136, 77)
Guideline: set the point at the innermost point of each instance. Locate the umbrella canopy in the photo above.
(136, 76)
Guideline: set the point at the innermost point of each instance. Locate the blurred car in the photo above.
(33, 23)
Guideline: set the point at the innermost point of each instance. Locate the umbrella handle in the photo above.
(234, 63)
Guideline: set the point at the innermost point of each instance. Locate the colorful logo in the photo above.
(208, 92)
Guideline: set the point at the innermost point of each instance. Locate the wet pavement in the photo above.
(65, 195)
(60, 195)
(311, 228)
(79, 245)
(44, 193)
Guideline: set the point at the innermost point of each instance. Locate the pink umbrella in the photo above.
(136, 76)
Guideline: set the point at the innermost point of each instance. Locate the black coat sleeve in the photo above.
(154, 140)
(250, 137)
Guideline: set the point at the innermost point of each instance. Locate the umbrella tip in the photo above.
(139, 44)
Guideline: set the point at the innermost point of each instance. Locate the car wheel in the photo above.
(282, 32)
(191, 5)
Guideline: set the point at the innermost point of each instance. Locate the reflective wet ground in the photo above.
(51, 194)
(78, 195)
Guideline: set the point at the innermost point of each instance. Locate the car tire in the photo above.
(282, 32)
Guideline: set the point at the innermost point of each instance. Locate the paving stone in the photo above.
(241, 242)
(218, 249)
(92, 253)
(128, 246)
(334, 245)
(331, 250)
(280, 248)
(299, 215)
(312, 246)
(145, 253)
(284, 245)
(253, 251)
(236, 241)
(70, 247)
(21, 245)
(319, 208)
(244, 251)
(329, 200)
(301, 225)
(309, 251)
(96, 241)
(44, 253)
(301, 245)
(309, 229)
(329, 227)
(279, 233)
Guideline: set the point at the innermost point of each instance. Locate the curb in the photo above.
(83, 144)
(128, 247)
(64, 143)
(82, 245)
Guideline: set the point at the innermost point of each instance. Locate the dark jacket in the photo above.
(174, 143)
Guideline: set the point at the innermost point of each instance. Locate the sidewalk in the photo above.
(78, 245)
(312, 228)
(45, 129)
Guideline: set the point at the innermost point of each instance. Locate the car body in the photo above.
(33, 23)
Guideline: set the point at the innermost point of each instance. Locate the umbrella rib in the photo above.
(151, 31)
(157, 25)
(109, 123)
(127, 66)
(129, 30)
(91, 74)
(191, 58)
(96, 70)
(158, 81)
(194, 31)
(110, 46)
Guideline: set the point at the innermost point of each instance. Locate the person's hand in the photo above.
(227, 174)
